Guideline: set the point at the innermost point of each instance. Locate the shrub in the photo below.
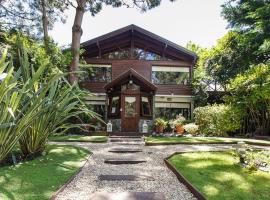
(160, 122)
(217, 120)
(191, 128)
(179, 121)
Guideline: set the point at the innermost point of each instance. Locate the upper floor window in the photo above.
(170, 75)
(138, 53)
(96, 73)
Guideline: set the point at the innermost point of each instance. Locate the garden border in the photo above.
(54, 195)
(200, 143)
(78, 141)
(182, 179)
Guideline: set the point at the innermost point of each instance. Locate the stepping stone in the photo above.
(127, 196)
(125, 150)
(120, 161)
(125, 178)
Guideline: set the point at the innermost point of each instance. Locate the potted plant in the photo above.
(179, 124)
(160, 125)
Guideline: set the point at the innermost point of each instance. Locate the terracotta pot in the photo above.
(180, 129)
(159, 129)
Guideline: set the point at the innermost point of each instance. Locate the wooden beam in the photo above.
(132, 44)
(99, 50)
(164, 49)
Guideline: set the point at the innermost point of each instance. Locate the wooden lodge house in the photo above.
(135, 76)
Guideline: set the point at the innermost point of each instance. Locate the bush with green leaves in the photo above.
(217, 120)
(179, 121)
(191, 128)
(160, 122)
(250, 93)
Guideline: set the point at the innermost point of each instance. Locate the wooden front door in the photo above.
(130, 113)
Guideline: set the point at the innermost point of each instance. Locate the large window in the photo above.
(171, 110)
(145, 106)
(96, 73)
(114, 105)
(170, 75)
(138, 53)
(100, 109)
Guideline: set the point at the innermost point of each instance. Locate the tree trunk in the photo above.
(45, 24)
(76, 39)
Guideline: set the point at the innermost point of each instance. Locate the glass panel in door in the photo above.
(130, 106)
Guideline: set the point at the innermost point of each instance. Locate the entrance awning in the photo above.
(125, 77)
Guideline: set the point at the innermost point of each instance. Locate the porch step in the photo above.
(127, 196)
(125, 140)
(125, 178)
(128, 134)
(125, 150)
(115, 136)
(121, 161)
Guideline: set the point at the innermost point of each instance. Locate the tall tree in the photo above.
(35, 17)
(247, 43)
(94, 6)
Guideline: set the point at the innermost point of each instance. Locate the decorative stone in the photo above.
(127, 196)
(125, 150)
(120, 161)
(125, 178)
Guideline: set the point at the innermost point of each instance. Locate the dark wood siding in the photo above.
(175, 89)
(144, 68)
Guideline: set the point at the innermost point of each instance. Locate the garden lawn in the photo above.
(200, 140)
(218, 176)
(38, 179)
(78, 138)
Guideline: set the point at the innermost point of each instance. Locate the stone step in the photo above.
(125, 150)
(125, 178)
(125, 136)
(125, 140)
(129, 143)
(127, 196)
(120, 161)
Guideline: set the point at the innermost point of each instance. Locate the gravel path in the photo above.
(87, 182)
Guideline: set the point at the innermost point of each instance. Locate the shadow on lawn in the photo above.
(39, 178)
(218, 176)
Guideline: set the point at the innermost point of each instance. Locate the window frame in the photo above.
(116, 114)
(98, 66)
(149, 104)
(184, 69)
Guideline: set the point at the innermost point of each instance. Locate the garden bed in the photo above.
(78, 138)
(158, 140)
(41, 177)
(217, 175)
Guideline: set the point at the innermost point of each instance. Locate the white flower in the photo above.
(3, 76)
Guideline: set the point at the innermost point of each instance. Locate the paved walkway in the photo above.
(149, 176)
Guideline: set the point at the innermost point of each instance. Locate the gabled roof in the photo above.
(135, 76)
(140, 38)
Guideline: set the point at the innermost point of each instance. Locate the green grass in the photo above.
(39, 178)
(78, 138)
(218, 176)
(201, 140)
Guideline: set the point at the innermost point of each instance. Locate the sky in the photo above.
(199, 21)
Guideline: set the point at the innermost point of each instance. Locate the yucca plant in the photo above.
(61, 102)
(15, 117)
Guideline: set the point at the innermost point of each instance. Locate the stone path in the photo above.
(109, 175)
